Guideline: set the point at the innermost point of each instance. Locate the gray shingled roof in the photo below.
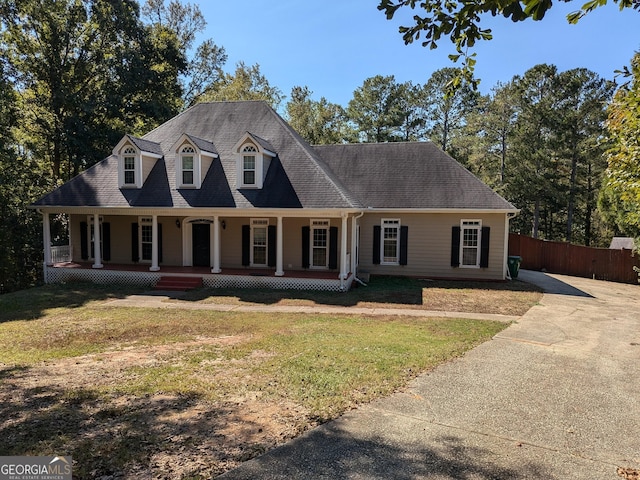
(398, 175)
(295, 179)
(203, 145)
(146, 145)
(408, 175)
(262, 142)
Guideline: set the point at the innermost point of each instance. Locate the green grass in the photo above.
(507, 298)
(323, 362)
(307, 368)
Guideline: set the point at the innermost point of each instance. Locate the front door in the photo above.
(201, 244)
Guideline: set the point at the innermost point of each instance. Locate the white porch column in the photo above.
(216, 245)
(97, 249)
(279, 248)
(154, 244)
(46, 238)
(354, 243)
(344, 268)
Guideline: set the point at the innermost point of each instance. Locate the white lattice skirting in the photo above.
(62, 275)
(278, 283)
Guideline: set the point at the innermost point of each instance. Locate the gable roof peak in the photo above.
(145, 146)
(204, 146)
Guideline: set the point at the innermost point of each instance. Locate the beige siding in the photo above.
(121, 238)
(231, 240)
(171, 241)
(429, 246)
(147, 165)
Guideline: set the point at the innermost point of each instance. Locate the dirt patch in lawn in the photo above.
(59, 404)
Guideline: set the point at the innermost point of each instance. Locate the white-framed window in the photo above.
(91, 237)
(187, 163)
(470, 241)
(129, 166)
(249, 158)
(259, 239)
(145, 238)
(390, 241)
(319, 244)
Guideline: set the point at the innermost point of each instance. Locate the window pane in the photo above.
(470, 237)
(146, 233)
(146, 238)
(319, 237)
(187, 163)
(249, 177)
(390, 251)
(259, 236)
(249, 162)
(259, 255)
(146, 251)
(187, 178)
(319, 257)
(129, 163)
(129, 177)
(390, 244)
(469, 256)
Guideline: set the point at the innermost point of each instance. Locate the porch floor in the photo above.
(199, 271)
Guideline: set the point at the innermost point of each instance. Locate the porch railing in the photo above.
(61, 254)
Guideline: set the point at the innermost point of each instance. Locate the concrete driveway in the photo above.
(554, 396)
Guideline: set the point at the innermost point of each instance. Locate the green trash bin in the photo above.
(513, 262)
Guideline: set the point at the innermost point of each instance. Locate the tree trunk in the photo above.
(536, 219)
(589, 207)
(572, 195)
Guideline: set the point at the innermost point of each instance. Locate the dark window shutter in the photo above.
(84, 241)
(333, 248)
(376, 244)
(135, 256)
(271, 245)
(455, 246)
(159, 243)
(306, 233)
(246, 245)
(106, 241)
(404, 241)
(484, 247)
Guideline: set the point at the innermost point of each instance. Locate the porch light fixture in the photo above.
(224, 224)
(178, 222)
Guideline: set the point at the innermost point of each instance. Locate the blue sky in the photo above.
(332, 46)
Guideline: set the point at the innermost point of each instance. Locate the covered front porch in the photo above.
(264, 249)
(127, 274)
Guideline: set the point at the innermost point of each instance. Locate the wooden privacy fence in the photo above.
(576, 260)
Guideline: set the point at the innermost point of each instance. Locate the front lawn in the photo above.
(190, 394)
(506, 298)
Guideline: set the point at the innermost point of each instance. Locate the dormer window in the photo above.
(253, 158)
(136, 159)
(249, 154)
(193, 158)
(187, 161)
(129, 162)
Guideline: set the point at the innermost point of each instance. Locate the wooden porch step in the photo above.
(178, 284)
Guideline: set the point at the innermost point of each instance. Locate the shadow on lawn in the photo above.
(158, 436)
(30, 304)
(381, 289)
(393, 290)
